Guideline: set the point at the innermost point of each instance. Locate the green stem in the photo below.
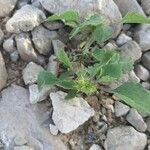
(87, 45)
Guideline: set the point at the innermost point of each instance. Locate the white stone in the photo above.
(121, 109)
(95, 147)
(3, 72)
(53, 129)
(8, 45)
(30, 73)
(136, 120)
(69, 115)
(125, 138)
(23, 148)
(25, 19)
(107, 8)
(36, 95)
(19, 141)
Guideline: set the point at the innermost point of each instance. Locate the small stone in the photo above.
(142, 37)
(131, 49)
(69, 115)
(146, 85)
(6, 6)
(135, 119)
(142, 72)
(55, 25)
(133, 76)
(122, 39)
(95, 147)
(42, 39)
(30, 73)
(146, 5)
(125, 138)
(121, 109)
(57, 46)
(19, 141)
(14, 56)
(8, 45)
(25, 19)
(110, 46)
(146, 60)
(53, 65)
(23, 148)
(36, 95)
(3, 72)
(126, 6)
(53, 129)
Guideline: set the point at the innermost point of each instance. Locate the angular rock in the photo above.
(6, 6)
(146, 85)
(142, 37)
(53, 129)
(125, 137)
(122, 39)
(3, 72)
(42, 39)
(131, 49)
(69, 115)
(30, 73)
(95, 147)
(146, 5)
(25, 19)
(136, 120)
(36, 95)
(9, 45)
(142, 72)
(25, 48)
(121, 109)
(129, 5)
(107, 8)
(146, 60)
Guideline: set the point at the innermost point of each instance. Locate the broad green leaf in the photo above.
(134, 17)
(46, 78)
(134, 95)
(66, 84)
(102, 33)
(71, 94)
(107, 79)
(63, 57)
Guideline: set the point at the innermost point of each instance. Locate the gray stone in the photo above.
(53, 65)
(110, 46)
(148, 123)
(53, 25)
(36, 95)
(3, 72)
(25, 19)
(142, 37)
(25, 48)
(146, 5)
(122, 39)
(126, 6)
(146, 85)
(53, 129)
(14, 56)
(30, 73)
(8, 45)
(95, 147)
(42, 39)
(19, 141)
(136, 120)
(57, 46)
(107, 8)
(69, 115)
(131, 49)
(142, 72)
(148, 147)
(22, 3)
(6, 6)
(121, 109)
(125, 137)
(1, 35)
(19, 118)
(23, 148)
(146, 60)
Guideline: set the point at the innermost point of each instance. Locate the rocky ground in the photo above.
(33, 120)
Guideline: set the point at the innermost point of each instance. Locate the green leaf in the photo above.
(134, 95)
(71, 94)
(63, 57)
(102, 33)
(66, 84)
(134, 17)
(46, 78)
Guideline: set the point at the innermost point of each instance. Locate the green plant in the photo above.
(103, 67)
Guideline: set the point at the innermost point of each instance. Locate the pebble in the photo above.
(95, 147)
(146, 60)
(146, 85)
(53, 129)
(19, 141)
